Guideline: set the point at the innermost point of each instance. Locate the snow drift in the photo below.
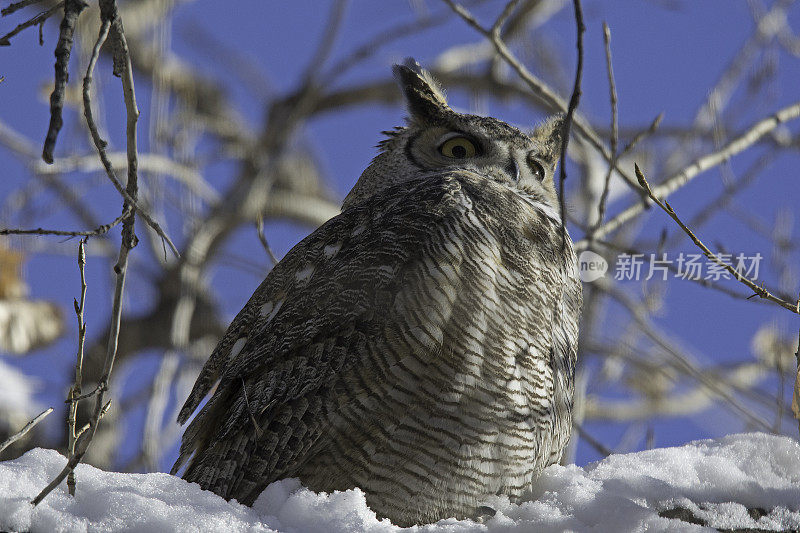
(740, 481)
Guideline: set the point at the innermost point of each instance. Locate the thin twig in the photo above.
(641, 135)
(86, 426)
(105, 228)
(21, 433)
(612, 89)
(75, 390)
(38, 19)
(757, 289)
(85, 395)
(573, 104)
(263, 239)
(72, 10)
(108, 10)
(132, 112)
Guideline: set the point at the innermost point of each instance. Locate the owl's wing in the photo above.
(302, 335)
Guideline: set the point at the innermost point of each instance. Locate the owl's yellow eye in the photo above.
(458, 148)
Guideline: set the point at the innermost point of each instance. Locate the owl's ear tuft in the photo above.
(424, 95)
(550, 135)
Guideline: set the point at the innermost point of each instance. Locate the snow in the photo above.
(746, 480)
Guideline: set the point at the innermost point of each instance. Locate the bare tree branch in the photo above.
(678, 180)
(21, 433)
(105, 228)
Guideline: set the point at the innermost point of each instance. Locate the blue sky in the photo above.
(666, 56)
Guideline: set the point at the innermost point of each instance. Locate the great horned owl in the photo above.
(421, 345)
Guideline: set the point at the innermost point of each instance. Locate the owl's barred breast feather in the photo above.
(421, 345)
(418, 361)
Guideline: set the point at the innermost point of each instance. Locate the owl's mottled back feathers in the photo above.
(421, 345)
